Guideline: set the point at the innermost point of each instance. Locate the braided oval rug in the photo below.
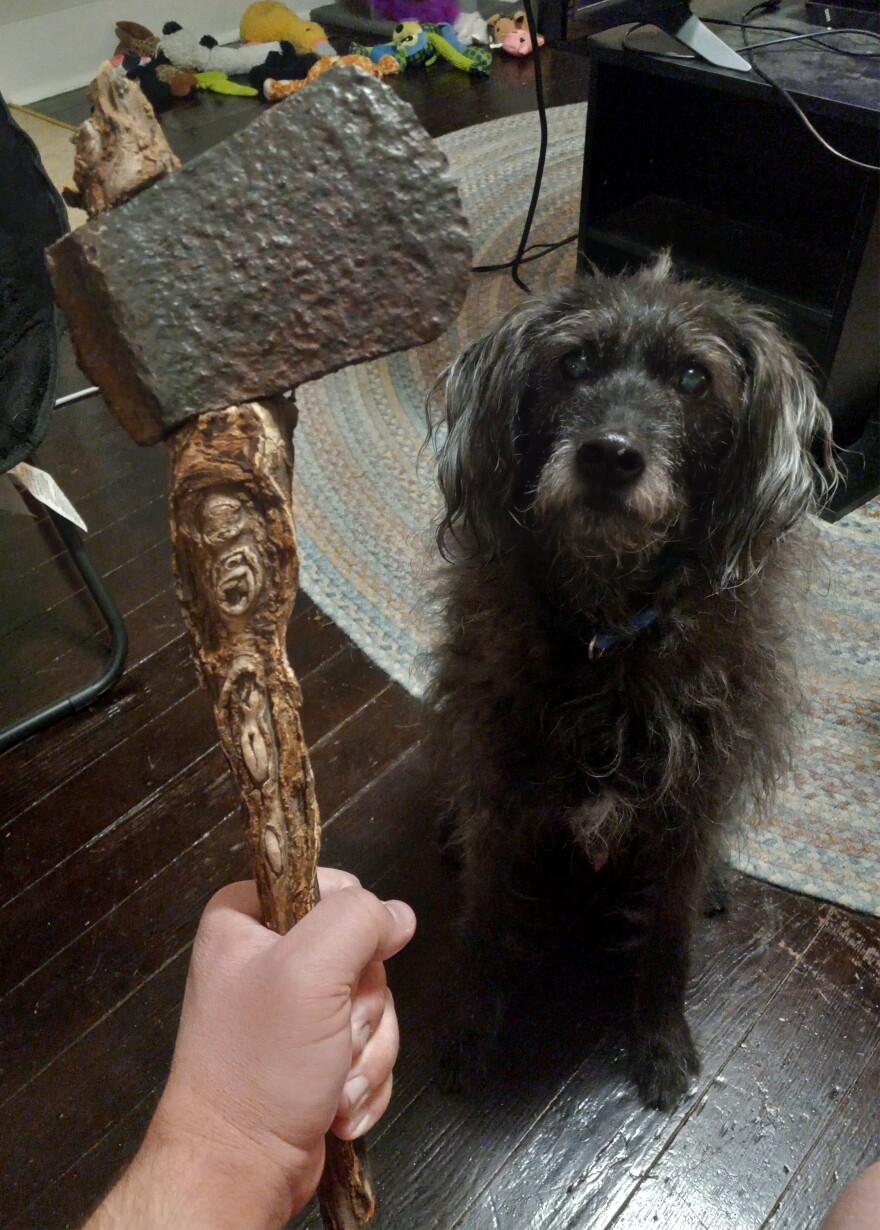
(365, 502)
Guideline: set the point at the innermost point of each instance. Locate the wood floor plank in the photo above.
(135, 477)
(68, 645)
(112, 554)
(160, 671)
(846, 1147)
(67, 1199)
(114, 958)
(578, 1165)
(379, 810)
(774, 1096)
(50, 1125)
(147, 828)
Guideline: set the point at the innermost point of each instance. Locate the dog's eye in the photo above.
(693, 380)
(575, 365)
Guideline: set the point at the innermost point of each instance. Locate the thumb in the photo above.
(348, 929)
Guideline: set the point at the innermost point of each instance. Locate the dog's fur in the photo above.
(624, 445)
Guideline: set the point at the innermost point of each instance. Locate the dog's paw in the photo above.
(716, 896)
(469, 1041)
(662, 1067)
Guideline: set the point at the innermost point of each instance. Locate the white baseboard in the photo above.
(44, 56)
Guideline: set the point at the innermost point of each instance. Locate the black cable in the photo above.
(520, 258)
(791, 36)
(545, 250)
(749, 48)
(798, 110)
(800, 36)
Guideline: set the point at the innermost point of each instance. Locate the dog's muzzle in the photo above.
(610, 459)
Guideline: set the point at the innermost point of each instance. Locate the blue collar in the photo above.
(604, 641)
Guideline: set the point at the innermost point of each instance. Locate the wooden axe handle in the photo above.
(237, 570)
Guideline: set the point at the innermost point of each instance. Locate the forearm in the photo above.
(206, 1181)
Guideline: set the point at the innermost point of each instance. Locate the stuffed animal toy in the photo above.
(284, 65)
(472, 28)
(269, 21)
(409, 47)
(218, 83)
(519, 43)
(133, 36)
(273, 90)
(442, 37)
(499, 26)
(137, 58)
(201, 55)
(415, 45)
(422, 11)
(142, 69)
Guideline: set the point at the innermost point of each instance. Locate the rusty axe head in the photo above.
(325, 233)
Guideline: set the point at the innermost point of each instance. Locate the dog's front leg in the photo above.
(662, 1057)
(486, 960)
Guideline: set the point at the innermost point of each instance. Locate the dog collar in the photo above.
(603, 641)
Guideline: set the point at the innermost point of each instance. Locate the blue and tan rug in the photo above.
(365, 501)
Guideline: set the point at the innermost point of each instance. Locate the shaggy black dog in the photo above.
(626, 466)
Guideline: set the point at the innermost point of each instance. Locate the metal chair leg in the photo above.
(84, 696)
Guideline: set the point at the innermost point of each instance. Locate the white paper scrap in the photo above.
(42, 487)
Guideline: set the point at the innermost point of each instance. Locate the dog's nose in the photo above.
(610, 458)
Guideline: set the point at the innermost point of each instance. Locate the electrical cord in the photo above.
(786, 96)
(764, 8)
(798, 36)
(748, 49)
(791, 36)
(520, 258)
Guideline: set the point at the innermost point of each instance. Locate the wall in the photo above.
(49, 46)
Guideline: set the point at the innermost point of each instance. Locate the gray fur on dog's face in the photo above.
(700, 398)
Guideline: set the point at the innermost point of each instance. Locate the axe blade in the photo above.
(325, 233)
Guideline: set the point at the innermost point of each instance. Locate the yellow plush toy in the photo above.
(269, 21)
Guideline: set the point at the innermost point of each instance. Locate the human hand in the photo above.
(280, 1039)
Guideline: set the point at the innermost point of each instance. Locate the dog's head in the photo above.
(622, 414)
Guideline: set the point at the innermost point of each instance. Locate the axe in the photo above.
(325, 233)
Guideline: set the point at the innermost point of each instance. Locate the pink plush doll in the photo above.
(519, 43)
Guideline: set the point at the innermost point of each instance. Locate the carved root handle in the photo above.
(346, 1189)
(237, 573)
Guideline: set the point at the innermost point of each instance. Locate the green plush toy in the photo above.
(219, 83)
(417, 45)
(471, 59)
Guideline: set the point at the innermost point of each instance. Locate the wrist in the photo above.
(250, 1179)
(199, 1171)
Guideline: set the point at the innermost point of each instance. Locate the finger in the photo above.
(347, 930)
(332, 879)
(367, 1006)
(349, 1128)
(240, 897)
(373, 1067)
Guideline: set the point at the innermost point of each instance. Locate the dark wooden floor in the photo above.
(117, 825)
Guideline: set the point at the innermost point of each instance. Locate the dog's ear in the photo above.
(474, 414)
(771, 478)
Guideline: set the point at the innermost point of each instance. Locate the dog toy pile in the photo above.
(420, 46)
(274, 90)
(143, 57)
(269, 21)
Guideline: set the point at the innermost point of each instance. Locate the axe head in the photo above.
(325, 233)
